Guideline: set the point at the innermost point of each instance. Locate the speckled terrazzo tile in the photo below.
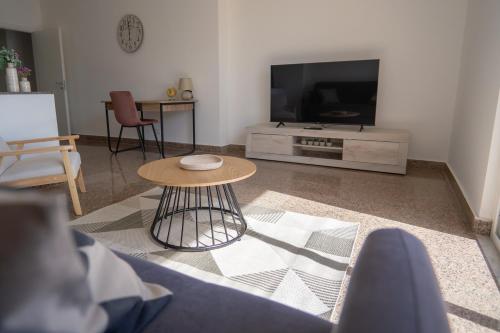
(421, 203)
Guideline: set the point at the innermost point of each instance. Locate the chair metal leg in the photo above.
(141, 140)
(119, 139)
(156, 138)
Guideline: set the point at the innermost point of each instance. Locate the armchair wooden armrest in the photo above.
(71, 166)
(53, 138)
(71, 138)
(38, 150)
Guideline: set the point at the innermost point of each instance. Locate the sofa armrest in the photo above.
(393, 288)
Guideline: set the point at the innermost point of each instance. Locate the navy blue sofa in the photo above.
(392, 289)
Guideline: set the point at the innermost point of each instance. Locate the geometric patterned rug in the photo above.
(295, 259)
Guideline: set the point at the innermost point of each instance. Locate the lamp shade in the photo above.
(185, 84)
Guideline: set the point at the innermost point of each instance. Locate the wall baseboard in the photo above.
(426, 164)
(169, 146)
(477, 225)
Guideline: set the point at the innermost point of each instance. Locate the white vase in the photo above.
(11, 78)
(25, 85)
(187, 95)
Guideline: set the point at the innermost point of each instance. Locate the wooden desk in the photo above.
(160, 106)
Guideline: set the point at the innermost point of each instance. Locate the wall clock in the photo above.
(130, 33)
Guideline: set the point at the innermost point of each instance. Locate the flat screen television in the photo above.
(342, 92)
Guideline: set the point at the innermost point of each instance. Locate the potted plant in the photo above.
(24, 72)
(9, 59)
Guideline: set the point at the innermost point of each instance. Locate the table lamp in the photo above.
(186, 88)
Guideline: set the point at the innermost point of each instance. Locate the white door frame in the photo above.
(51, 71)
(64, 82)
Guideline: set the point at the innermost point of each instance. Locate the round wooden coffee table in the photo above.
(198, 210)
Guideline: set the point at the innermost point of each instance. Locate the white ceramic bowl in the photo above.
(201, 162)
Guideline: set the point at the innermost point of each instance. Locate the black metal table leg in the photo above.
(193, 147)
(198, 222)
(194, 130)
(106, 110)
(161, 131)
(156, 138)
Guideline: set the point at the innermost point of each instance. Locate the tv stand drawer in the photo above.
(271, 144)
(379, 152)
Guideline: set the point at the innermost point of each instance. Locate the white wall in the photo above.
(491, 192)
(180, 38)
(224, 75)
(227, 47)
(419, 44)
(22, 15)
(472, 149)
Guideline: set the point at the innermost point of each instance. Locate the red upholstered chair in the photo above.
(126, 115)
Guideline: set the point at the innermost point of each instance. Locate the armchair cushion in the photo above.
(7, 161)
(48, 164)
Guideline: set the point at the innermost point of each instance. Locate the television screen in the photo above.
(343, 92)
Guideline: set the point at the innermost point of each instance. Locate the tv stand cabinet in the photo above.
(374, 149)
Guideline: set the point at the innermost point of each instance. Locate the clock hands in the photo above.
(128, 28)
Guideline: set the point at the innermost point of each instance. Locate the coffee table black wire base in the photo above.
(211, 213)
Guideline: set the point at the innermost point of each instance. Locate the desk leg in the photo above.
(107, 127)
(161, 131)
(194, 131)
(193, 147)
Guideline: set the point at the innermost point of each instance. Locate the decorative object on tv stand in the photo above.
(9, 59)
(186, 88)
(24, 72)
(171, 93)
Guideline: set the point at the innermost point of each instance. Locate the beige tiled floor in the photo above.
(420, 202)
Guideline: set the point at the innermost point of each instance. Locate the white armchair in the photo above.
(47, 165)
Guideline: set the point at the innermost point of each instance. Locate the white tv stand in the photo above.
(373, 149)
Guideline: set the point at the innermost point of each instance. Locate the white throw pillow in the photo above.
(7, 161)
(51, 282)
(122, 302)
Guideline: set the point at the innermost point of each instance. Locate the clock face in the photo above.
(130, 33)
